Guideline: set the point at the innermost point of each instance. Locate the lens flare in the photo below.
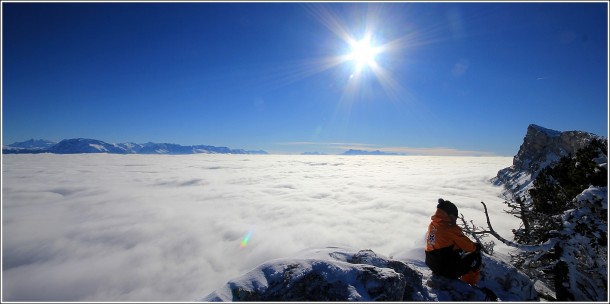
(245, 240)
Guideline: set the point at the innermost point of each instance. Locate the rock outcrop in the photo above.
(541, 147)
(339, 274)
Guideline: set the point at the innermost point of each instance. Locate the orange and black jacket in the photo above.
(444, 243)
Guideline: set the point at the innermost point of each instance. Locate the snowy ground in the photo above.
(100, 227)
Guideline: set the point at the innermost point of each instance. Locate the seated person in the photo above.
(449, 252)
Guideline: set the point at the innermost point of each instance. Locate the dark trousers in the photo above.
(451, 263)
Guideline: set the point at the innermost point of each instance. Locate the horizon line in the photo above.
(424, 151)
(338, 146)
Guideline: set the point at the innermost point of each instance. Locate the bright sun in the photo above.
(363, 53)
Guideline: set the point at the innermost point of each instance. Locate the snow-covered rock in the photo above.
(585, 245)
(569, 256)
(341, 274)
(541, 147)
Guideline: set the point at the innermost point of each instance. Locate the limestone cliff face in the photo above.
(541, 147)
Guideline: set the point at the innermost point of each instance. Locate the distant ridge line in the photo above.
(85, 145)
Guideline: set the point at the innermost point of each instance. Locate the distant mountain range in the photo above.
(33, 144)
(364, 152)
(313, 153)
(84, 145)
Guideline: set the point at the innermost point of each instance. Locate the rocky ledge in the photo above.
(340, 274)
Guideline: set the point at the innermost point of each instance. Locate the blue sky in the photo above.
(446, 78)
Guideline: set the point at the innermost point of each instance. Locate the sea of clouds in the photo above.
(101, 227)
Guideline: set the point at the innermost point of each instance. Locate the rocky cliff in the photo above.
(541, 147)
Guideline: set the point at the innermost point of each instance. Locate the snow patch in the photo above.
(98, 147)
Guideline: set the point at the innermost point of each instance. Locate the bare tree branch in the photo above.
(546, 246)
(494, 233)
(472, 231)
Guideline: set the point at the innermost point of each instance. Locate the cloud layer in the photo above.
(169, 228)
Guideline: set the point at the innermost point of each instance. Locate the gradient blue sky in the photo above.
(453, 78)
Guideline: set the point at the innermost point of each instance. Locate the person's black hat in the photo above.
(447, 206)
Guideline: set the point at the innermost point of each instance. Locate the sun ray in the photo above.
(365, 56)
(290, 72)
(331, 21)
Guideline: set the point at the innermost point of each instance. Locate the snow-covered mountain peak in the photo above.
(85, 145)
(539, 129)
(33, 144)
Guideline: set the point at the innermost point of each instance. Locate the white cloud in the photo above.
(168, 228)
